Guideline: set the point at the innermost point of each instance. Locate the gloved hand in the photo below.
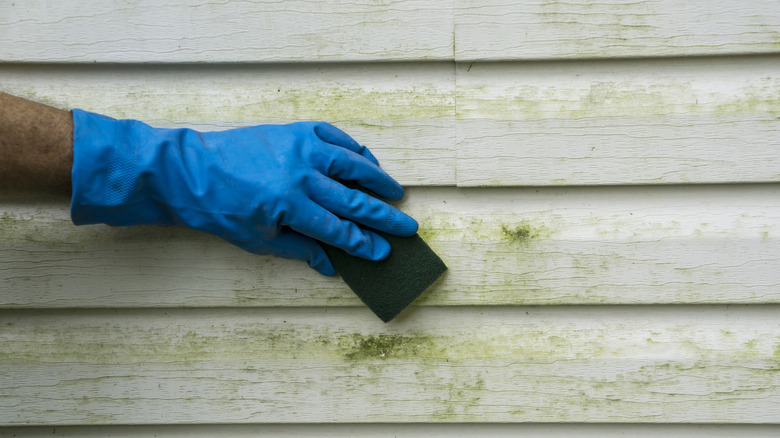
(267, 189)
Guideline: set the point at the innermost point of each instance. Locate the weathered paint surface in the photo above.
(503, 246)
(626, 365)
(593, 94)
(248, 31)
(404, 112)
(154, 325)
(434, 430)
(709, 120)
(570, 29)
(618, 122)
(305, 30)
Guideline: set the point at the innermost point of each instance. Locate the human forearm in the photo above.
(36, 146)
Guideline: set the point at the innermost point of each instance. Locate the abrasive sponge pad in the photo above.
(388, 286)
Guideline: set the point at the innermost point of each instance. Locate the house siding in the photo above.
(602, 181)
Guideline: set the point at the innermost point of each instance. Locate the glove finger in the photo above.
(291, 245)
(335, 136)
(320, 224)
(361, 208)
(346, 165)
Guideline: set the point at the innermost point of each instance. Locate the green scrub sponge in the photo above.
(389, 285)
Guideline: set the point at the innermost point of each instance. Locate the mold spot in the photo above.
(518, 234)
(358, 347)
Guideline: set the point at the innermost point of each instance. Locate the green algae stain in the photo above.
(461, 397)
(476, 231)
(283, 103)
(517, 234)
(615, 99)
(523, 232)
(7, 222)
(356, 347)
(197, 345)
(15, 228)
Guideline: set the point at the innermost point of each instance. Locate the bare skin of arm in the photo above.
(36, 146)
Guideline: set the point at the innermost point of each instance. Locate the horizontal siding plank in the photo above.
(318, 30)
(627, 364)
(403, 112)
(400, 430)
(567, 29)
(585, 123)
(622, 122)
(508, 246)
(235, 31)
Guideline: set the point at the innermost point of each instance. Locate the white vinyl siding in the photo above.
(602, 179)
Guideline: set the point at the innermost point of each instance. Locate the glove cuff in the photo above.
(106, 174)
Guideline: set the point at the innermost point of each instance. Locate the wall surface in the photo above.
(602, 179)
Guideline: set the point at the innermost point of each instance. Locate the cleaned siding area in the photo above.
(602, 179)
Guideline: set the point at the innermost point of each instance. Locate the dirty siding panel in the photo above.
(236, 31)
(554, 29)
(625, 364)
(402, 430)
(713, 120)
(302, 31)
(155, 325)
(562, 246)
(615, 122)
(404, 112)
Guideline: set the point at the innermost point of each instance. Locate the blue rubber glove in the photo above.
(267, 189)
